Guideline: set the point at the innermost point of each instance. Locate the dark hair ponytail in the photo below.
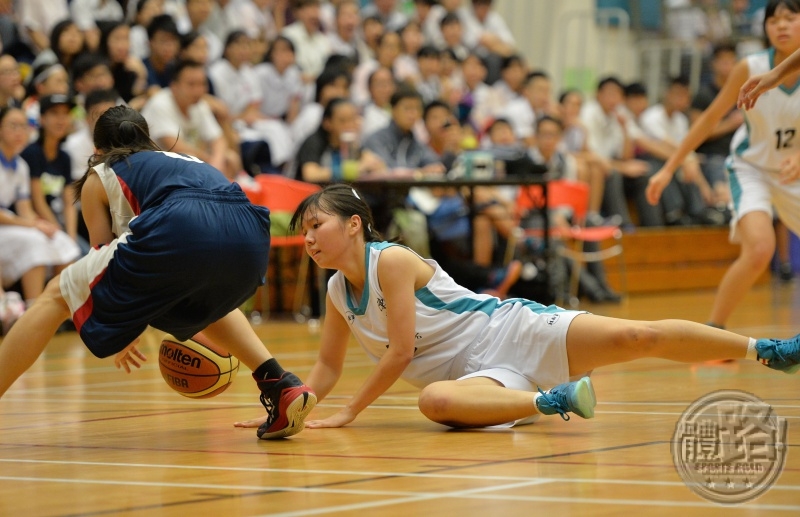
(120, 132)
(340, 200)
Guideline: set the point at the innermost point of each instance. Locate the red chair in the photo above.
(575, 195)
(282, 196)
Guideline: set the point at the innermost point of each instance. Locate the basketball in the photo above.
(196, 368)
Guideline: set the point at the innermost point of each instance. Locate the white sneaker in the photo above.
(11, 309)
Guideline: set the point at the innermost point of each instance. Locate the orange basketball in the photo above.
(196, 368)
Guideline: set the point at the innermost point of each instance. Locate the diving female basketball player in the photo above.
(479, 361)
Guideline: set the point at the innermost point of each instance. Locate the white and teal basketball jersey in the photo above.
(771, 132)
(450, 319)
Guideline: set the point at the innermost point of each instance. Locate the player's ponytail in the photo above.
(120, 132)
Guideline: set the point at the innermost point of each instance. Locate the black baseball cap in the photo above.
(49, 101)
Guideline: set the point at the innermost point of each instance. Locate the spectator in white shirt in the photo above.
(332, 83)
(485, 30)
(388, 52)
(535, 102)
(146, 10)
(181, 120)
(431, 27)
(513, 72)
(281, 81)
(378, 113)
(668, 124)
(608, 137)
(387, 11)
(255, 18)
(312, 47)
(344, 38)
(37, 19)
(411, 41)
(87, 13)
(371, 31)
(430, 87)
(79, 145)
(471, 99)
(453, 35)
(199, 12)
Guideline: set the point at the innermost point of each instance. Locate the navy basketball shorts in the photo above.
(184, 265)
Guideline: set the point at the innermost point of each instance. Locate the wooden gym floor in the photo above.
(78, 437)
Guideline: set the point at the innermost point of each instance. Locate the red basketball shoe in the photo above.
(288, 402)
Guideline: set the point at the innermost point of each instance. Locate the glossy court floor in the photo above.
(78, 437)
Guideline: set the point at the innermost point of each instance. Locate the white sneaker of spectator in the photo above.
(11, 309)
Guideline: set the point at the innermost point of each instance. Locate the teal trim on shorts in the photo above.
(735, 186)
(745, 144)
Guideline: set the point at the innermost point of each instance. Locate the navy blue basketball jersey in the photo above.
(148, 177)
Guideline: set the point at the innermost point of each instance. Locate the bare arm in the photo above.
(758, 84)
(730, 123)
(94, 203)
(708, 120)
(333, 348)
(699, 131)
(398, 292)
(70, 214)
(313, 172)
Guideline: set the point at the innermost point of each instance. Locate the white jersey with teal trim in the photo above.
(451, 321)
(770, 132)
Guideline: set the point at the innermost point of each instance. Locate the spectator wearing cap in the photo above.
(50, 167)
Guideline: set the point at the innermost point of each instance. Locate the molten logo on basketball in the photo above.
(174, 354)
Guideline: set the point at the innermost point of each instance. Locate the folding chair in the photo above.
(282, 196)
(573, 194)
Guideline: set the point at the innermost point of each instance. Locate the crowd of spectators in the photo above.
(328, 91)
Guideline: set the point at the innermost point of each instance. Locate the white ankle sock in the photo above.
(751, 350)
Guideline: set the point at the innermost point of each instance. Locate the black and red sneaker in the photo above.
(288, 402)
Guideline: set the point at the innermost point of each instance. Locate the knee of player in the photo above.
(639, 339)
(760, 251)
(434, 402)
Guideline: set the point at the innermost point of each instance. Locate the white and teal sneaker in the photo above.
(780, 354)
(573, 397)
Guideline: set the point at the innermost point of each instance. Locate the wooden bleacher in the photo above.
(672, 259)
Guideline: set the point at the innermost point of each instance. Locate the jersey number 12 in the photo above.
(784, 138)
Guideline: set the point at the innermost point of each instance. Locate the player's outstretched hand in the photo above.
(658, 182)
(129, 357)
(752, 89)
(790, 169)
(340, 419)
(255, 422)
